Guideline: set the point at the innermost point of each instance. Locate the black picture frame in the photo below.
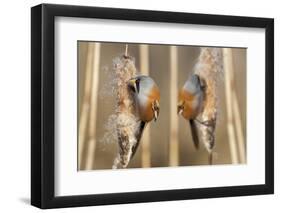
(43, 102)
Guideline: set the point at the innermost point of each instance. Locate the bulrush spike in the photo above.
(209, 67)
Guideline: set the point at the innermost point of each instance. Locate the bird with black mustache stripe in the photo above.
(190, 104)
(146, 96)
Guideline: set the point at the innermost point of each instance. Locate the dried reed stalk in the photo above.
(209, 67)
(174, 146)
(127, 124)
(229, 88)
(85, 106)
(238, 125)
(144, 69)
(93, 110)
(126, 50)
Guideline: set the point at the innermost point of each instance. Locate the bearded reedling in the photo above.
(146, 98)
(137, 104)
(190, 104)
(198, 99)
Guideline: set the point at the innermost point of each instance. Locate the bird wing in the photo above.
(194, 133)
(138, 137)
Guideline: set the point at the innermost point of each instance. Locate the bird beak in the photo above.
(132, 84)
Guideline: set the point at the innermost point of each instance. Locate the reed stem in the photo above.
(174, 146)
(85, 106)
(126, 120)
(238, 125)
(145, 141)
(126, 50)
(93, 111)
(229, 87)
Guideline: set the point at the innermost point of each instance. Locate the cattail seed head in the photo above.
(209, 68)
(127, 122)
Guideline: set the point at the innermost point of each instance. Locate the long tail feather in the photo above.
(194, 133)
(138, 137)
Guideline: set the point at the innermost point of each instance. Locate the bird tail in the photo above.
(138, 138)
(194, 133)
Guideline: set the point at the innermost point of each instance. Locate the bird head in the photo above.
(134, 84)
(147, 96)
(193, 84)
(191, 87)
(141, 84)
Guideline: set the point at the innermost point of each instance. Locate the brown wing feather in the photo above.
(138, 138)
(194, 133)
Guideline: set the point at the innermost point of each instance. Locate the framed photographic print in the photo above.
(140, 106)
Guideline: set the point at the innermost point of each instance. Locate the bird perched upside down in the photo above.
(146, 97)
(190, 104)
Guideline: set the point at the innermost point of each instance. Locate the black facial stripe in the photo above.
(132, 88)
(138, 85)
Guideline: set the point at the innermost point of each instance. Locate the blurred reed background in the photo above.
(168, 141)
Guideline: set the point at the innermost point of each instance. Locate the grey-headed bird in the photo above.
(146, 96)
(190, 104)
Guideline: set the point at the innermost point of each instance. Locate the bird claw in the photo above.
(155, 108)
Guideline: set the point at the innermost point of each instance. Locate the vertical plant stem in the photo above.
(228, 70)
(126, 120)
(208, 67)
(85, 106)
(126, 50)
(174, 146)
(144, 69)
(238, 124)
(93, 110)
